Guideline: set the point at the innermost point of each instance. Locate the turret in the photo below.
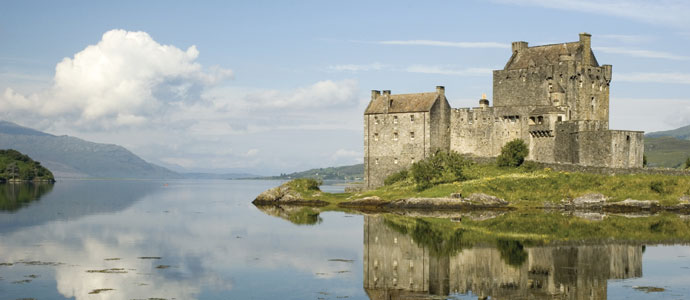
(483, 102)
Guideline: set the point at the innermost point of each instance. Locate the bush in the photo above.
(513, 154)
(662, 187)
(395, 177)
(687, 163)
(306, 184)
(442, 167)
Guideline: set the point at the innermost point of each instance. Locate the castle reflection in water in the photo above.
(397, 267)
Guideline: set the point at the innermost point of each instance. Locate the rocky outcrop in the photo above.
(285, 195)
(474, 201)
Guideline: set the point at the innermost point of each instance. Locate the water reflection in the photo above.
(17, 195)
(398, 265)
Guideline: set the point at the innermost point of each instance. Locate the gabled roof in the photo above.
(546, 55)
(420, 102)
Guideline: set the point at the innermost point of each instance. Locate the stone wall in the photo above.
(393, 142)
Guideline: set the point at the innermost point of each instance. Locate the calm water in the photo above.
(205, 240)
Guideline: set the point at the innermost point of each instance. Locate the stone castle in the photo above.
(553, 97)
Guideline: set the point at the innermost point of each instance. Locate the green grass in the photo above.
(666, 151)
(527, 187)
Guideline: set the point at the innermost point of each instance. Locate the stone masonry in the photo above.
(554, 97)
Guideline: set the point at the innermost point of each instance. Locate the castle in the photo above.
(553, 97)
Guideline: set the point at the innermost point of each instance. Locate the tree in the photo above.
(644, 160)
(513, 154)
(442, 167)
(12, 170)
(687, 163)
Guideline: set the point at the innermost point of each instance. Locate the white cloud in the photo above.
(652, 77)
(447, 44)
(122, 80)
(625, 38)
(444, 70)
(664, 12)
(356, 68)
(641, 53)
(347, 155)
(649, 114)
(321, 94)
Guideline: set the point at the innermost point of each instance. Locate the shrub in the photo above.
(442, 167)
(306, 184)
(662, 187)
(687, 163)
(644, 160)
(513, 153)
(395, 177)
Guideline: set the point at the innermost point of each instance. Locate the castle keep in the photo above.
(554, 97)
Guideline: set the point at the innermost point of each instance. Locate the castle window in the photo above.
(395, 136)
(550, 87)
(560, 118)
(540, 120)
(627, 138)
(390, 103)
(412, 118)
(376, 161)
(532, 121)
(395, 160)
(412, 135)
(376, 136)
(594, 103)
(376, 120)
(395, 119)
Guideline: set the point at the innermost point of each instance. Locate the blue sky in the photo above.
(280, 86)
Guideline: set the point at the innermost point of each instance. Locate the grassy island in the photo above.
(18, 167)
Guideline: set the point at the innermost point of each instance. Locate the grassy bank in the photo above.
(527, 186)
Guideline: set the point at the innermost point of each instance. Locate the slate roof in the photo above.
(546, 55)
(545, 110)
(420, 102)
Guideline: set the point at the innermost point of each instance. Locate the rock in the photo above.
(684, 199)
(634, 204)
(589, 200)
(283, 194)
(486, 200)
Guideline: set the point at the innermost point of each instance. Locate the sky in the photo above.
(272, 87)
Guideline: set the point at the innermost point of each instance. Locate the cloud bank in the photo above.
(124, 79)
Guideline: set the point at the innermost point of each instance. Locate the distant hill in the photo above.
(353, 172)
(68, 156)
(666, 151)
(218, 176)
(682, 133)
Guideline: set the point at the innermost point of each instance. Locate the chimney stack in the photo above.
(586, 42)
(375, 94)
(519, 46)
(387, 92)
(440, 90)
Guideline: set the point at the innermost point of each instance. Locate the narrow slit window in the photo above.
(412, 135)
(376, 120)
(395, 119)
(395, 136)
(411, 118)
(376, 136)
